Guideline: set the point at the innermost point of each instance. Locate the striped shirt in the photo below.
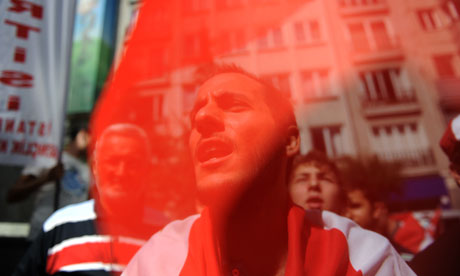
(70, 243)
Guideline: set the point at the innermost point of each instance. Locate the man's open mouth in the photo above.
(213, 150)
(314, 203)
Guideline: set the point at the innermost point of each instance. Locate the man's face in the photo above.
(360, 209)
(233, 134)
(315, 187)
(121, 167)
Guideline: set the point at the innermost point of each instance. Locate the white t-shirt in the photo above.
(74, 189)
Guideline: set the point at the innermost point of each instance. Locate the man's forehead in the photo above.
(235, 82)
(122, 142)
(313, 166)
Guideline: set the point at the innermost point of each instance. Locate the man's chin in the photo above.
(217, 194)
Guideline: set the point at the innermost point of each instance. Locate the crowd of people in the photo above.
(265, 209)
(262, 208)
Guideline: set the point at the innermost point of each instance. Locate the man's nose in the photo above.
(120, 168)
(314, 184)
(208, 120)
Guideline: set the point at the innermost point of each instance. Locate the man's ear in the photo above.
(455, 175)
(380, 210)
(293, 141)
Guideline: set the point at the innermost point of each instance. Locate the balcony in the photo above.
(410, 158)
(389, 53)
(386, 107)
(362, 7)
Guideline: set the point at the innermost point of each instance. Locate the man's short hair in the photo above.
(126, 130)
(279, 104)
(318, 159)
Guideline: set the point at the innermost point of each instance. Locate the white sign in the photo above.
(35, 41)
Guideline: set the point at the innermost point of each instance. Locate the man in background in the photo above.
(99, 236)
(72, 172)
(315, 183)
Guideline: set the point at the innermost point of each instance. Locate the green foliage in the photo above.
(91, 61)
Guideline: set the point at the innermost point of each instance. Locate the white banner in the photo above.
(36, 36)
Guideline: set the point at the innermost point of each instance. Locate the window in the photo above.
(359, 37)
(281, 82)
(328, 139)
(451, 8)
(230, 4)
(386, 85)
(380, 34)
(358, 3)
(193, 6)
(195, 45)
(154, 65)
(265, 2)
(307, 32)
(233, 41)
(371, 35)
(157, 107)
(270, 38)
(444, 66)
(189, 92)
(316, 84)
(405, 142)
(429, 18)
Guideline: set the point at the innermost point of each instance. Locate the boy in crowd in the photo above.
(315, 183)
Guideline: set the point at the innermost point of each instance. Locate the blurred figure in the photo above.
(72, 172)
(368, 185)
(315, 183)
(442, 257)
(372, 213)
(242, 141)
(99, 236)
(366, 211)
(121, 168)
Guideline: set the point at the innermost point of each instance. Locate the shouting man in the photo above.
(243, 139)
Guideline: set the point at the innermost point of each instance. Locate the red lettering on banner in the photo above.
(14, 103)
(32, 149)
(20, 55)
(21, 127)
(31, 127)
(16, 79)
(22, 6)
(18, 147)
(41, 129)
(3, 145)
(9, 125)
(42, 149)
(22, 31)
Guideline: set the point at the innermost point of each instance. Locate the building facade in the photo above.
(366, 77)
